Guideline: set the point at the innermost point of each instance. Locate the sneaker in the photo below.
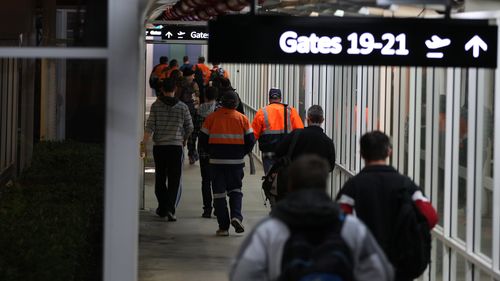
(192, 159)
(206, 214)
(171, 217)
(160, 214)
(222, 232)
(238, 226)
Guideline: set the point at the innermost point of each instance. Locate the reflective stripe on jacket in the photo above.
(227, 136)
(269, 125)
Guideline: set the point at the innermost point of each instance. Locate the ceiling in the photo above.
(304, 7)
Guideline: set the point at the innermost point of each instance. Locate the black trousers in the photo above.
(168, 164)
(206, 183)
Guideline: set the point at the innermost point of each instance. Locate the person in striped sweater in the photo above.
(170, 124)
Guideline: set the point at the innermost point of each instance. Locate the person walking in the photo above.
(201, 75)
(189, 94)
(381, 198)
(307, 237)
(170, 124)
(227, 136)
(204, 110)
(270, 126)
(156, 74)
(310, 140)
(185, 64)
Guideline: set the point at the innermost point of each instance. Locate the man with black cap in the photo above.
(189, 95)
(270, 126)
(227, 136)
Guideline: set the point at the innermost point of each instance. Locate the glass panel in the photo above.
(462, 156)
(486, 128)
(483, 276)
(438, 264)
(52, 215)
(440, 92)
(461, 270)
(54, 23)
(423, 127)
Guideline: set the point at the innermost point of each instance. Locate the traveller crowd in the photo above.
(377, 228)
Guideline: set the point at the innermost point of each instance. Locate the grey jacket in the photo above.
(169, 121)
(261, 253)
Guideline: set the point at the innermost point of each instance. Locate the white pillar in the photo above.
(123, 133)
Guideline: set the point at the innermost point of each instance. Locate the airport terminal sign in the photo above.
(185, 32)
(353, 41)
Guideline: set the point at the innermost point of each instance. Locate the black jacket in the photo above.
(312, 140)
(375, 193)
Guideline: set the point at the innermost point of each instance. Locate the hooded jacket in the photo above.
(261, 254)
(169, 121)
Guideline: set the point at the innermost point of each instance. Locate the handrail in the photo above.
(345, 170)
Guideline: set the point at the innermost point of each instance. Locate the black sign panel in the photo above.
(353, 41)
(185, 32)
(153, 32)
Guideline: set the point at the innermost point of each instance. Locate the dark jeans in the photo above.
(191, 144)
(206, 184)
(227, 180)
(168, 164)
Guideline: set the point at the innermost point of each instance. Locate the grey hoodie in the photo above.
(261, 254)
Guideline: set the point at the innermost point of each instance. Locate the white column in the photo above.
(123, 133)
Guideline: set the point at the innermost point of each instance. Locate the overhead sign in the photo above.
(185, 32)
(419, 2)
(153, 32)
(353, 41)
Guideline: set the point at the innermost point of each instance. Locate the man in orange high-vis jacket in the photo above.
(269, 126)
(227, 136)
(173, 65)
(204, 71)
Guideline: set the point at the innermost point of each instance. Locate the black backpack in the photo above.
(317, 255)
(411, 247)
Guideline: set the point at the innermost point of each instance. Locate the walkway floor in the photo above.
(188, 249)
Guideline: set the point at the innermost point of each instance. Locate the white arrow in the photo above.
(169, 34)
(475, 43)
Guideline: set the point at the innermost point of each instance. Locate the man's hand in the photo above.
(185, 142)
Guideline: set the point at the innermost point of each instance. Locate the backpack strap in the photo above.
(291, 148)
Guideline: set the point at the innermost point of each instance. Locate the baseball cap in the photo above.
(274, 93)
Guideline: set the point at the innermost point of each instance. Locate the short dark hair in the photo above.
(173, 63)
(211, 93)
(185, 59)
(308, 171)
(169, 85)
(201, 59)
(375, 146)
(315, 114)
(163, 60)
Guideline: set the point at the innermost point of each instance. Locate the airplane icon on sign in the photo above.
(180, 34)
